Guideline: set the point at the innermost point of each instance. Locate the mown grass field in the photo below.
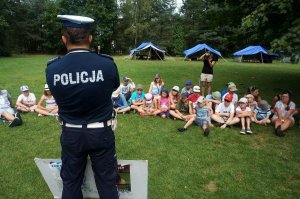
(183, 166)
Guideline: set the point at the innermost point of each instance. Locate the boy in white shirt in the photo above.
(243, 111)
(127, 87)
(26, 102)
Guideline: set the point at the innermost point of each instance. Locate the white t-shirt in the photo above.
(238, 109)
(126, 89)
(280, 106)
(235, 98)
(27, 99)
(4, 102)
(221, 108)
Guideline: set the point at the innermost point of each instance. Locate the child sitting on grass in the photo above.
(148, 107)
(137, 98)
(262, 113)
(164, 104)
(243, 111)
(26, 102)
(201, 117)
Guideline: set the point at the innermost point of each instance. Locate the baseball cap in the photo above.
(188, 82)
(46, 87)
(243, 100)
(164, 90)
(228, 97)
(139, 86)
(175, 88)
(264, 105)
(125, 78)
(157, 76)
(201, 99)
(249, 96)
(76, 21)
(232, 87)
(216, 95)
(116, 93)
(148, 98)
(24, 88)
(196, 89)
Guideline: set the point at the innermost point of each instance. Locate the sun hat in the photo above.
(229, 83)
(148, 98)
(46, 87)
(249, 96)
(157, 76)
(116, 93)
(243, 100)
(264, 105)
(228, 97)
(201, 99)
(196, 89)
(125, 78)
(176, 88)
(24, 88)
(188, 82)
(216, 95)
(232, 87)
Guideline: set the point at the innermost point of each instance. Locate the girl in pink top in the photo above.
(164, 104)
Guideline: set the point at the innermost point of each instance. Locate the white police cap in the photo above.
(76, 21)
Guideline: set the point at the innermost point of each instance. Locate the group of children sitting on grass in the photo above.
(222, 109)
(216, 109)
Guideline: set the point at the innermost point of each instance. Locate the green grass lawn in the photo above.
(183, 166)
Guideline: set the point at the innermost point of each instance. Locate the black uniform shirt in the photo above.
(207, 69)
(82, 83)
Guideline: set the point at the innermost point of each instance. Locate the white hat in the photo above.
(116, 93)
(196, 89)
(148, 98)
(232, 87)
(201, 99)
(176, 88)
(243, 100)
(76, 21)
(46, 87)
(24, 88)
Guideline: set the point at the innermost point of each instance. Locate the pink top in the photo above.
(164, 103)
(175, 99)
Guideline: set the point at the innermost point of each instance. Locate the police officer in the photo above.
(82, 83)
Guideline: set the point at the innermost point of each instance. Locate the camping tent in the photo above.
(195, 52)
(147, 50)
(253, 54)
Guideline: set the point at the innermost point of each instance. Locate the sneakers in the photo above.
(15, 122)
(206, 132)
(249, 131)
(243, 131)
(17, 114)
(181, 130)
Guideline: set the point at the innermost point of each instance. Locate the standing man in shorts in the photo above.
(82, 83)
(209, 60)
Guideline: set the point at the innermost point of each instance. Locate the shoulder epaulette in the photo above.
(107, 56)
(50, 61)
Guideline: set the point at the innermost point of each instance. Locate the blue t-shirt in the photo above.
(82, 83)
(120, 102)
(137, 97)
(202, 113)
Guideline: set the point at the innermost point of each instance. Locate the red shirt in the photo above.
(193, 97)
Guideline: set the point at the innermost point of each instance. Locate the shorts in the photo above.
(9, 110)
(167, 113)
(201, 122)
(206, 77)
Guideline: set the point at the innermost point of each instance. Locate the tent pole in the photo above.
(157, 54)
(262, 61)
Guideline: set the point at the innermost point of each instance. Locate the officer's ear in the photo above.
(64, 39)
(90, 38)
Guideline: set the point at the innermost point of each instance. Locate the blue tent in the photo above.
(195, 51)
(148, 50)
(254, 54)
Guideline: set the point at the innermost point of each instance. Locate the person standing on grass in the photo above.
(244, 113)
(82, 83)
(6, 110)
(26, 102)
(209, 60)
(283, 114)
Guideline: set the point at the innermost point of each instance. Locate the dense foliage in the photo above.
(31, 26)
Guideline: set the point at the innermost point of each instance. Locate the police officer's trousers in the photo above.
(99, 144)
